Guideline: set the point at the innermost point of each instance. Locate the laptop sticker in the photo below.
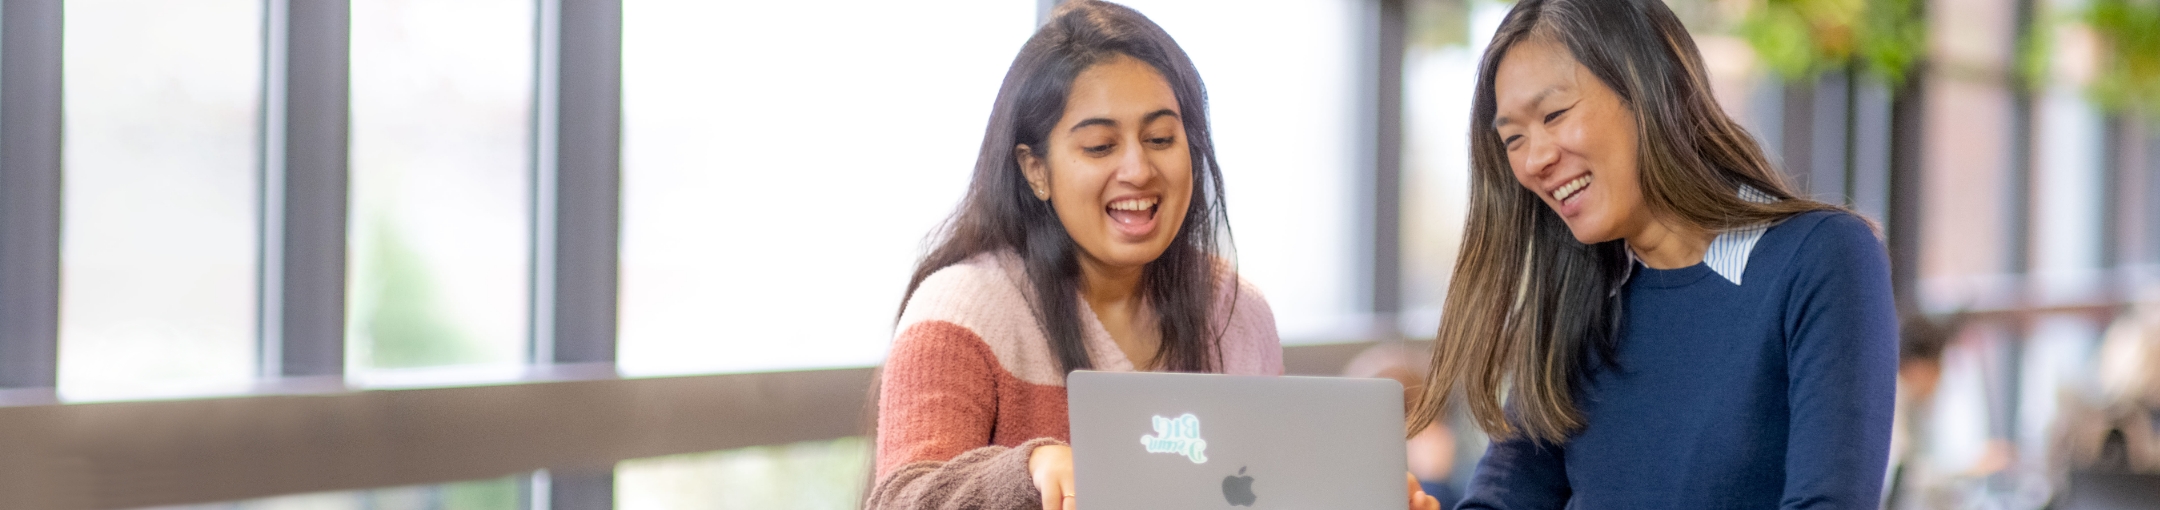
(1180, 435)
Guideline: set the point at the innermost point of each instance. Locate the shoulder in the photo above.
(1242, 300)
(1825, 240)
(1835, 236)
(967, 293)
(1250, 344)
(983, 298)
(1827, 224)
(1830, 255)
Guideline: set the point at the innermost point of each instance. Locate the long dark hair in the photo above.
(1531, 311)
(1000, 212)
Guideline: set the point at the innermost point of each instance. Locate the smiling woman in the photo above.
(1122, 190)
(1667, 325)
(1087, 240)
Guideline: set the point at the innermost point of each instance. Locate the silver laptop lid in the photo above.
(1155, 440)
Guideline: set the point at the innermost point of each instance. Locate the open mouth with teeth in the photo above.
(1134, 218)
(1133, 211)
(1572, 190)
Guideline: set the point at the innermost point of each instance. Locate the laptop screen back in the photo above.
(1156, 440)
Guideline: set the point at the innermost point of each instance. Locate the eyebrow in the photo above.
(1534, 101)
(1105, 121)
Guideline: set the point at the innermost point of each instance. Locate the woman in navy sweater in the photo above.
(1644, 315)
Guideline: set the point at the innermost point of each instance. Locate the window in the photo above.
(810, 475)
(442, 97)
(1282, 87)
(506, 493)
(159, 242)
(1439, 73)
(775, 201)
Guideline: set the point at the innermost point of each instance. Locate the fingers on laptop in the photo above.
(1051, 468)
(1419, 500)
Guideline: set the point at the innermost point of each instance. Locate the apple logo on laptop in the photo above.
(1238, 489)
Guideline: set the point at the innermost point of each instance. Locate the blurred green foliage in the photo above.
(1438, 23)
(506, 493)
(2128, 78)
(1799, 39)
(399, 311)
(496, 494)
(814, 475)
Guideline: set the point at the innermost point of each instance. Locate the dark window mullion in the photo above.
(577, 206)
(30, 187)
(305, 188)
(587, 181)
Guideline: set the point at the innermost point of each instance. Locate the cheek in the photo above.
(1176, 169)
(1076, 182)
(1608, 139)
(1581, 139)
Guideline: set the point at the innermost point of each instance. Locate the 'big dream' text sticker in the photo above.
(1180, 435)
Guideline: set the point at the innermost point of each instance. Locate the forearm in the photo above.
(987, 477)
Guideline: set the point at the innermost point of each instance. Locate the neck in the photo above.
(1662, 246)
(1105, 286)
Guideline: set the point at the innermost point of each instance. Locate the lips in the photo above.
(1134, 217)
(1570, 194)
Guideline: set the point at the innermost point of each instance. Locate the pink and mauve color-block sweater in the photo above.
(971, 386)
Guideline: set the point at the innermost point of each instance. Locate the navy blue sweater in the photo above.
(1775, 393)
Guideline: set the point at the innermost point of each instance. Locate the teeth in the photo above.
(1568, 190)
(1133, 204)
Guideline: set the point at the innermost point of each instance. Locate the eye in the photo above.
(1556, 114)
(1510, 141)
(1098, 150)
(1162, 142)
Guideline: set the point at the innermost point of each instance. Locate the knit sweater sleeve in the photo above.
(1516, 474)
(987, 477)
(936, 411)
(1841, 368)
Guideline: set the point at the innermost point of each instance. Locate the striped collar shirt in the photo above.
(1728, 253)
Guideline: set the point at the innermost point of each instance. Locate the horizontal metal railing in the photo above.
(315, 438)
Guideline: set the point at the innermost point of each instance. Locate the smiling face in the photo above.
(1116, 167)
(1570, 141)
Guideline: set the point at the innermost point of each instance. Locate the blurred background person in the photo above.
(1921, 340)
(1433, 450)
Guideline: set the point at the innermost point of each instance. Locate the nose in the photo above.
(1133, 166)
(1538, 155)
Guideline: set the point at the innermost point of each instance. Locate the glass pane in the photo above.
(762, 229)
(159, 246)
(1439, 73)
(808, 476)
(441, 183)
(1282, 86)
(506, 493)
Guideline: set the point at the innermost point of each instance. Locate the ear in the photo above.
(1035, 170)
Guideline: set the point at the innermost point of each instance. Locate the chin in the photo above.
(1588, 235)
(1134, 255)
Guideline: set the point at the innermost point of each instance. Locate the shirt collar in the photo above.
(1728, 252)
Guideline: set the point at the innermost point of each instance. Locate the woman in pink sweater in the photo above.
(1087, 240)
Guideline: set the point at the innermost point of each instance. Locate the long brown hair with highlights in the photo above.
(1531, 311)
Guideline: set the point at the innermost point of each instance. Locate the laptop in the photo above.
(1156, 440)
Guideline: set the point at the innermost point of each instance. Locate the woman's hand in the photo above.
(1419, 500)
(1051, 467)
